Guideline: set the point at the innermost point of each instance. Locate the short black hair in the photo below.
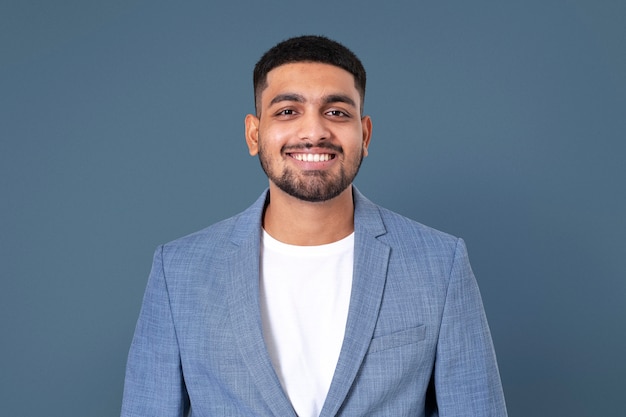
(308, 48)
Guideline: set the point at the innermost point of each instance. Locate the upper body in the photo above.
(415, 339)
(416, 335)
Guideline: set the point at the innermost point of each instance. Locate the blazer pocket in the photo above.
(401, 338)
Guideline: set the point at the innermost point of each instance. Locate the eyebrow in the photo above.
(339, 98)
(287, 97)
(298, 98)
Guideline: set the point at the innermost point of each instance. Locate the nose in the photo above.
(313, 127)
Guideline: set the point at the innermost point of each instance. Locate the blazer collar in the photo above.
(243, 261)
(371, 257)
(370, 265)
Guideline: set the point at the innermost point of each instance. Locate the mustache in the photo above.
(308, 145)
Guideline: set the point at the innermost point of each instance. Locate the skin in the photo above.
(309, 109)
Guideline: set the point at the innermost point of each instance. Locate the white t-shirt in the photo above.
(305, 294)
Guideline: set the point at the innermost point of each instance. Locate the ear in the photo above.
(366, 127)
(252, 134)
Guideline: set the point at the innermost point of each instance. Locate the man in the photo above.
(314, 301)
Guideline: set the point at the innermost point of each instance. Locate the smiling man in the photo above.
(310, 138)
(314, 301)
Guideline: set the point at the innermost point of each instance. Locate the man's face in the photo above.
(309, 135)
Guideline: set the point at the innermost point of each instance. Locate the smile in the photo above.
(312, 157)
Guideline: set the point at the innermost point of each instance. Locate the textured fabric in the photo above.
(416, 341)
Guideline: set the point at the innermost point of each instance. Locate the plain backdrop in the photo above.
(121, 127)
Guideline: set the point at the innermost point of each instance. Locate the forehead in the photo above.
(309, 77)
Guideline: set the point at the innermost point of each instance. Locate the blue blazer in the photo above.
(416, 342)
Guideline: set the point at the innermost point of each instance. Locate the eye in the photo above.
(286, 112)
(337, 113)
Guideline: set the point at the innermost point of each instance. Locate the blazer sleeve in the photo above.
(154, 384)
(467, 381)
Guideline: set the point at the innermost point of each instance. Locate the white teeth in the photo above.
(308, 157)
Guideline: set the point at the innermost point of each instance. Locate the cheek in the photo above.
(355, 142)
(270, 144)
(274, 136)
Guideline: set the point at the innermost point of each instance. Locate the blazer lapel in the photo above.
(245, 314)
(371, 258)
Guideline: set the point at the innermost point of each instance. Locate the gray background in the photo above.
(121, 127)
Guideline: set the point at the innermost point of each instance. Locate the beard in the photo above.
(313, 186)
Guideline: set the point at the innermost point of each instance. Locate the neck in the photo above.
(302, 223)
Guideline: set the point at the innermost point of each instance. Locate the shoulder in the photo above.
(204, 239)
(416, 250)
(400, 231)
(420, 247)
(407, 229)
(218, 237)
